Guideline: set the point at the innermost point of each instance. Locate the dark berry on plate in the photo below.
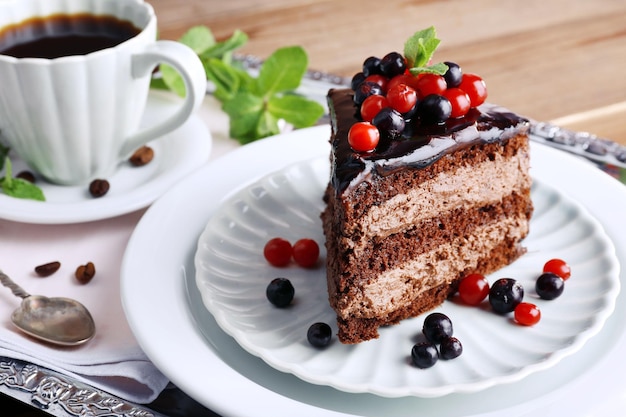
(549, 286)
(527, 314)
(453, 75)
(392, 64)
(558, 267)
(371, 66)
(434, 109)
(424, 355)
(306, 252)
(450, 348)
(437, 326)
(277, 251)
(389, 122)
(505, 294)
(357, 79)
(366, 89)
(319, 335)
(280, 292)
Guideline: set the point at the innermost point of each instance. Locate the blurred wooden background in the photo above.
(561, 60)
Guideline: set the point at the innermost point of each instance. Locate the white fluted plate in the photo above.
(232, 276)
(177, 154)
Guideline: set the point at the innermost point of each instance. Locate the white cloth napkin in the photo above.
(112, 361)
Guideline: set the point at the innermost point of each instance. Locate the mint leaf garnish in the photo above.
(17, 187)
(282, 71)
(255, 105)
(296, 110)
(419, 50)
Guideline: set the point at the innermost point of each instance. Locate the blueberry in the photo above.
(549, 286)
(319, 334)
(364, 90)
(357, 79)
(389, 122)
(280, 292)
(437, 327)
(392, 64)
(371, 66)
(424, 355)
(450, 348)
(453, 75)
(434, 109)
(505, 294)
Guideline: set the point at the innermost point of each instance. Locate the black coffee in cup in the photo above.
(64, 35)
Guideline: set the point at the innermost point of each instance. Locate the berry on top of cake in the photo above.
(428, 184)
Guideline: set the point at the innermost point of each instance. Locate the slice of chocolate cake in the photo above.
(430, 203)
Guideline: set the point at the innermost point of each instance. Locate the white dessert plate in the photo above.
(232, 276)
(176, 155)
(165, 311)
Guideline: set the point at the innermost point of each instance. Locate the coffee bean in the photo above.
(98, 187)
(26, 176)
(84, 273)
(142, 156)
(48, 269)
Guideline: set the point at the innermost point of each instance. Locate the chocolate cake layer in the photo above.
(405, 223)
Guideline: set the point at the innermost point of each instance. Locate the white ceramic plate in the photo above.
(177, 333)
(176, 155)
(232, 276)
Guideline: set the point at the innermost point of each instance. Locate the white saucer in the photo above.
(176, 155)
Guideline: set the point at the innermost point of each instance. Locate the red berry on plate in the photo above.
(473, 289)
(277, 251)
(402, 98)
(428, 84)
(306, 252)
(363, 137)
(475, 88)
(371, 106)
(558, 267)
(460, 102)
(527, 314)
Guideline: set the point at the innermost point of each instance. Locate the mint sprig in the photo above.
(17, 187)
(419, 50)
(255, 105)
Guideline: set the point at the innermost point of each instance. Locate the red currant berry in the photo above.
(277, 251)
(558, 267)
(379, 79)
(428, 84)
(306, 252)
(460, 102)
(371, 106)
(363, 137)
(473, 289)
(402, 98)
(475, 88)
(407, 79)
(527, 314)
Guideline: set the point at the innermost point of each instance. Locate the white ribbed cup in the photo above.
(75, 118)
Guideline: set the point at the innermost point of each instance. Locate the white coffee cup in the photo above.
(75, 118)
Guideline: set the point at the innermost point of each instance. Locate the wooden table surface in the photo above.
(558, 60)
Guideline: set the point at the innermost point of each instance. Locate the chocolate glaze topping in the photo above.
(418, 147)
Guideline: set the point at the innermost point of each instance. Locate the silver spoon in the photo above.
(58, 320)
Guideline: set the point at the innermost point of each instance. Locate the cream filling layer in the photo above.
(468, 186)
(398, 287)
